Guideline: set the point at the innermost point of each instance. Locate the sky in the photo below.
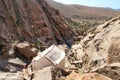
(115, 4)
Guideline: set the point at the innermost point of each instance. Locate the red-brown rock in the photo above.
(25, 49)
(30, 21)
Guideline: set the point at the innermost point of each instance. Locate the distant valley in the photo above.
(82, 18)
(79, 11)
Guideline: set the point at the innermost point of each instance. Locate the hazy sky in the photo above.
(98, 3)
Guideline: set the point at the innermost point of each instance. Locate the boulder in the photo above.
(17, 62)
(53, 56)
(47, 73)
(25, 49)
(44, 74)
(112, 71)
(12, 65)
(9, 76)
(72, 76)
(86, 76)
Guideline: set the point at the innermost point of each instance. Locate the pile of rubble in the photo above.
(51, 64)
(46, 65)
(35, 64)
(95, 57)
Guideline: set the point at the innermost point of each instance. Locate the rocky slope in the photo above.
(33, 21)
(24, 26)
(27, 22)
(100, 50)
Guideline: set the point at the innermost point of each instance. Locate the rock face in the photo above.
(9, 76)
(44, 74)
(25, 49)
(100, 46)
(33, 21)
(112, 71)
(11, 65)
(86, 76)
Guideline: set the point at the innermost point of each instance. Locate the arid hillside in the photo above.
(79, 11)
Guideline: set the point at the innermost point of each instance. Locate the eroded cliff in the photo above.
(32, 21)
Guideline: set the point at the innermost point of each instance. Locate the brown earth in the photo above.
(80, 11)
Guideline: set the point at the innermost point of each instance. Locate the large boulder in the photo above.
(44, 74)
(47, 73)
(100, 46)
(12, 65)
(112, 71)
(26, 50)
(53, 56)
(86, 76)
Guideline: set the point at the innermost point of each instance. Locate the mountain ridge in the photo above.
(82, 11)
